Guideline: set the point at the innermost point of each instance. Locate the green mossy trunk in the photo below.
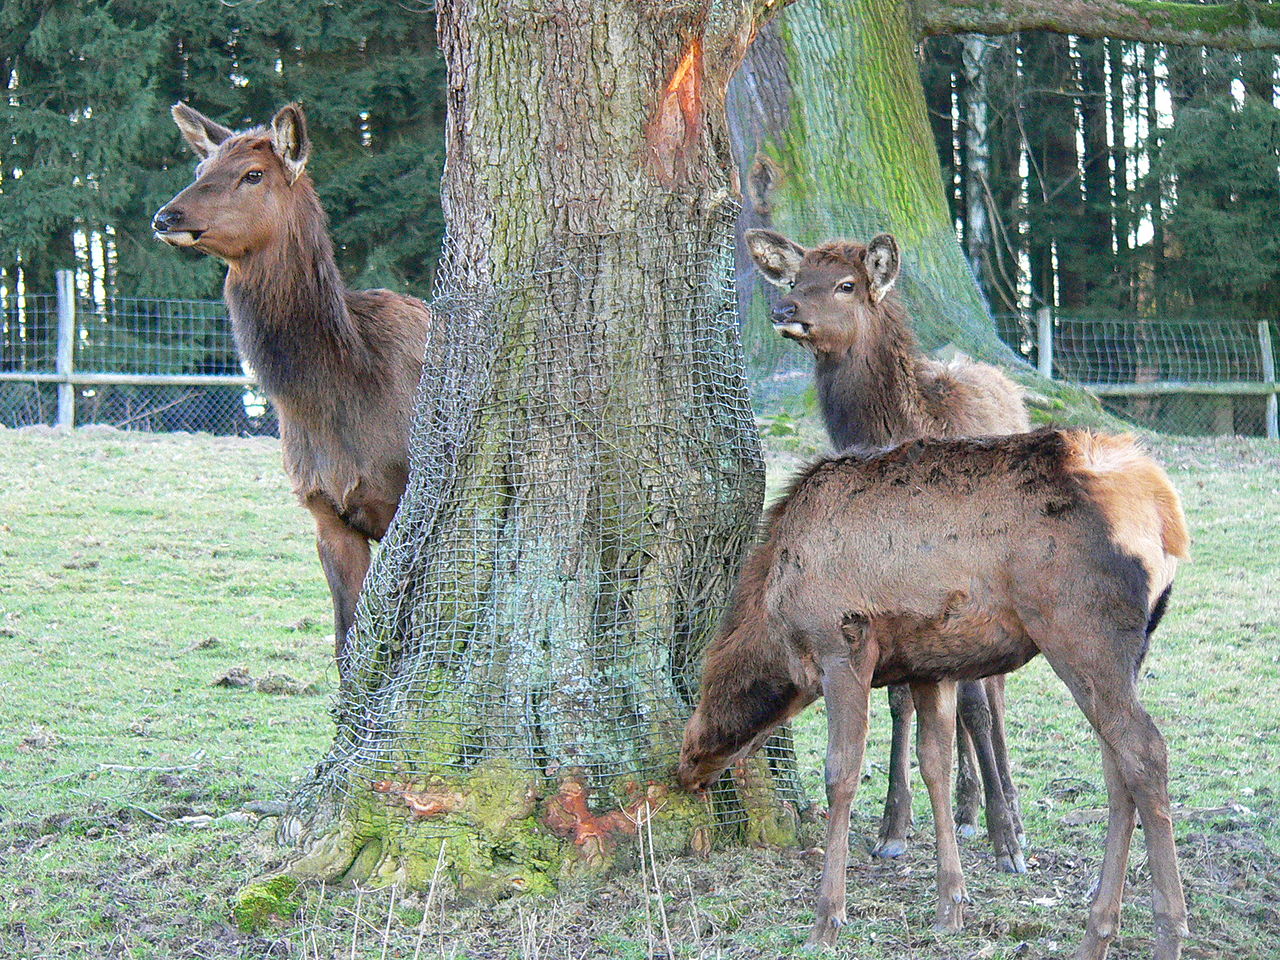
(832, 138)
(585, 474)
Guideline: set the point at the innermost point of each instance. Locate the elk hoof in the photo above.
(825, 932)
(1016, 863)
(951, 913)
(890, 848)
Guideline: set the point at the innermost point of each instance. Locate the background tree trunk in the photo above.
(585, 478)
(829, 102)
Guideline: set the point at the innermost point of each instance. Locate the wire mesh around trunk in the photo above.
(585, 477)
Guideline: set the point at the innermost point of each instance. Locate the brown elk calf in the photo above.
(341, 366)
(944, 560)
(875, 387)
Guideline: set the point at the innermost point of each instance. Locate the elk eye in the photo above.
(791, 285)
(846, 287)
(253, 176)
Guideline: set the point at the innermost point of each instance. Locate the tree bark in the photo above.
(585, 472)
(1238, 26)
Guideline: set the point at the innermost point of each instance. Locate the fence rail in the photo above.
(156, 364)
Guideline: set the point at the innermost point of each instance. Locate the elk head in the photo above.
(247, 185)
(833, 291)
(745, 697)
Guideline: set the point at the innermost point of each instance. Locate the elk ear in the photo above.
(201, 133)
(777, 258)
(289, 139)
(882, 262)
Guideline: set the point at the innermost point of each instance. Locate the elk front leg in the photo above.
(344, 555)
(846, 685)
(975, 713)
(999, 741)
(935, 732)
(968, 783)
(896, 820)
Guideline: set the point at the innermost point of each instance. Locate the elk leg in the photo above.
(968, 788)
(935, 732)
(344, 555)
(1104, 912)
(975, 713)
(896, 820)
(1105, 692)
(846, 685)
(1143, 760)
(999, 741)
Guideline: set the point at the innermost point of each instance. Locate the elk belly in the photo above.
(964, 641)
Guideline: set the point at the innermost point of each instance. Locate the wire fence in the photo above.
(138, 363)
(1184, 376)
(144, 363)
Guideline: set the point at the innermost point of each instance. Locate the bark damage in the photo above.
(674, 135)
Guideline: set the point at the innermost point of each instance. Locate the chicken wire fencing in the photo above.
(136, 363)
(585, 477)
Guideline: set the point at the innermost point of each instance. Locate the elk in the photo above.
(946, 560)
(875, 387)
(340, 366)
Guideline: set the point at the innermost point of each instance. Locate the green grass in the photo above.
(135, 570)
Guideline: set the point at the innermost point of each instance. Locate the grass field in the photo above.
(136, 570)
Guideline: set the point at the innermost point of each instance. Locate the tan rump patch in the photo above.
(1135, 496)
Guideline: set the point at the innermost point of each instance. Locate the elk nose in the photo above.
(166, 219)
(784, 312)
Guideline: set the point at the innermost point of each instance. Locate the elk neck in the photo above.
(289, 309)
(870, 393)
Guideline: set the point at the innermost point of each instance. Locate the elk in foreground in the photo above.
(945, 560)
(875, 387)
(341, 366)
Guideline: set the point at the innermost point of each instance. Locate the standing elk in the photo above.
(341, 366)
(945, 560)
(875, 387)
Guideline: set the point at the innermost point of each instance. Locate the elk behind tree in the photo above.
(875, 387)
(942, 560)
(341, 366)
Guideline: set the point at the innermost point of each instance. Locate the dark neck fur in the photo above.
(869, 394)
(289, 310)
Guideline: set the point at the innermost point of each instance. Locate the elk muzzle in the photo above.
(785, 322)
(167, 224)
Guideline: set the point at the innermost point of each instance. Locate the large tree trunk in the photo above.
(585, 471)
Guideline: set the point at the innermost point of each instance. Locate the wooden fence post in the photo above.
(66, 282)
(1269, 375)
(1044, 353)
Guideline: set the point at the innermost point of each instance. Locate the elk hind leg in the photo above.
(846, 686)
(1104, 912)
(935, 731)
(1104, 689)
(896, 820)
